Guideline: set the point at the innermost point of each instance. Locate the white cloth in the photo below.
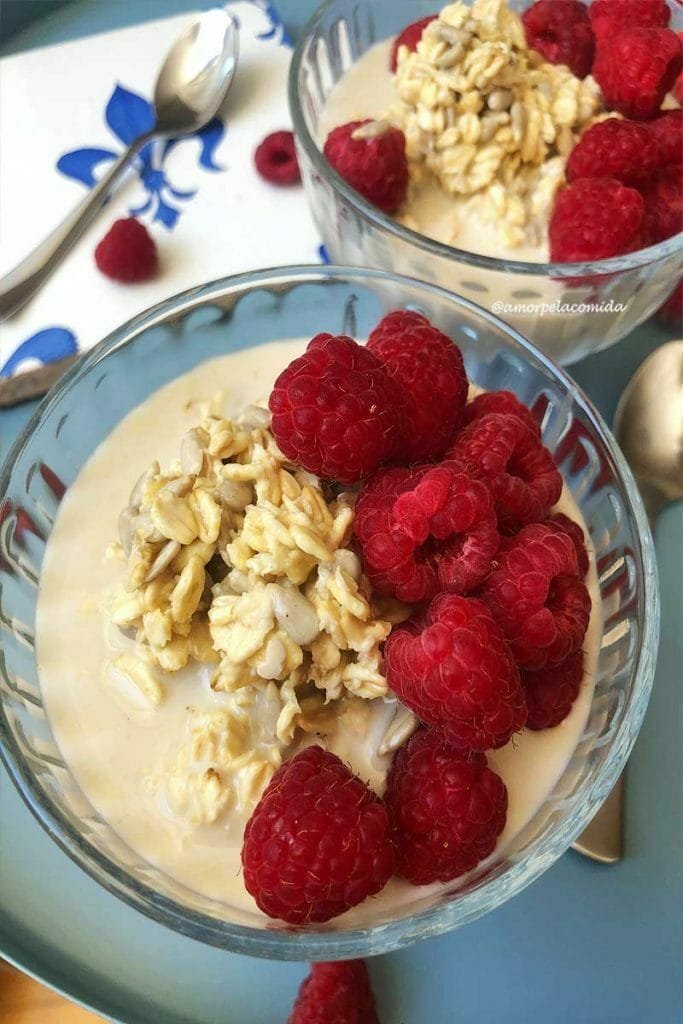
(66, 111)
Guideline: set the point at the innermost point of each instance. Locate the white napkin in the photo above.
(65, 112)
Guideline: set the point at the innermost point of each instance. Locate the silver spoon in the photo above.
(190, 88)
(648, 425)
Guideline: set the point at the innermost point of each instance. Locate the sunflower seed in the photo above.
(500, 99)
(191, 453)
(255, 417)
(401, 728)
(273, 660)
(127, 529)
(235, 494)
(181, 486)
(163, 560)
(371, 130)
(295, 614)
(138, 491)
(451, 57)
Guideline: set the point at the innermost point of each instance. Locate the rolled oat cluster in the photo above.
(237, 561)
(489, 117)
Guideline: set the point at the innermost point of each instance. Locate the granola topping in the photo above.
(237, 560)
(488, 118)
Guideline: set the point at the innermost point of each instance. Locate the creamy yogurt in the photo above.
(114, 743)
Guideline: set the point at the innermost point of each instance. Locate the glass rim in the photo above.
(589, 268)
(279, 942)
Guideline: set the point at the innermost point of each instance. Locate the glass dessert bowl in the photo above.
(569, 310)
(242, 314)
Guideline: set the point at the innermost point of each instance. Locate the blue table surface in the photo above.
(585, 943)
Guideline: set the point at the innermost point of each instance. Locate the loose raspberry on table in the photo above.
(561, 31)
(376, 166)
(335, 411)
(318, 841)
(426, 529)
(663, 199)
(428, 368)
(336, 993)
(537, 598)
(636, 68)
(667, 130)
(596, 218)
(275, 159)
(671, 312)
(560, 521)
(409, 37)
(127, 253)
(551, 692)
(507, 455)
(447, 808)
(503, 402)
(611, 16)
(624, 150)
(452, 667)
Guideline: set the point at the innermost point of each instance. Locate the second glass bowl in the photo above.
(247, 311)
(569, 310)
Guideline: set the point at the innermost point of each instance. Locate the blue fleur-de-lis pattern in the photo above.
(46, 346)
(277, 30)
(128, 116)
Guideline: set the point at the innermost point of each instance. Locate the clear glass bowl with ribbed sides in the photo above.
(238, 313)
(569, 310)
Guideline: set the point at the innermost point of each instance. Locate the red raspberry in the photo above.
(318, 841)
(671, 313)
(624, 150)
(596, 218)
(426, 529)
(663, 200)
(447, 808)
(452, 667)
(667, 130)
(376, 167)
(410, 37)
(276, 161)
(636, 69)
(536, 597)
(335, 411)
(608, 17)
(551, 692)
(503, 402)
(127, 253)
(560, 30)
(428, 368)
(575, 533)
(506, 453)
(338, 993)
(677, 87)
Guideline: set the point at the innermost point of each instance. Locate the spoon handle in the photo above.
(17, 287)
(602, 839)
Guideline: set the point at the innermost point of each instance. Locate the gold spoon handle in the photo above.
(602, 840)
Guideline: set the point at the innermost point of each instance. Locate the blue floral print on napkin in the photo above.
(277, 28)
(46, 346)
(129, 115)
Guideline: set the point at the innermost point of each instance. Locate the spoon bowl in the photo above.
(649, 426)
(196, 75)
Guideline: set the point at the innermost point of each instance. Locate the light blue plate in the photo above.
(584, 945)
